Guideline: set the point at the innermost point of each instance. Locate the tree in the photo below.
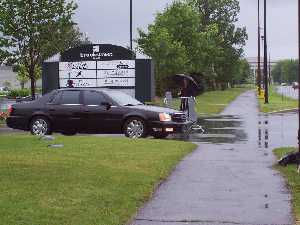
(176, 45)
(23, 76)
(224, 15)
(31, 29)
(69, 37)
(205, 34)
(169, 55)
(285, 71)
(242, 72)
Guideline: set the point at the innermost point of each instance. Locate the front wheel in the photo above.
(40, 126)
(135, 128)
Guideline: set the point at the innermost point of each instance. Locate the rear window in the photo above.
(70, 97)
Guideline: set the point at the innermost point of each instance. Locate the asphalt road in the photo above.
(230, 181)
(288, 91)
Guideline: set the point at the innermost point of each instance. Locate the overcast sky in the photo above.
(107, 21)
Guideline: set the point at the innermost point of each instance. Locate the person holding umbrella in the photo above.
(188, 88)
(185, 92)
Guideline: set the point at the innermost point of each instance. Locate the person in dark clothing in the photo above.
(186, 91)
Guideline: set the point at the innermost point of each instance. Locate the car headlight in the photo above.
(164, 117)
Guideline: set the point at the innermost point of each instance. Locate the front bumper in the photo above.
(169, 127)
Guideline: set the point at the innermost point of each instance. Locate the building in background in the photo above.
(8, 77)
(254, 66)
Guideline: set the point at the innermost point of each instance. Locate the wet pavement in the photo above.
(229, 179)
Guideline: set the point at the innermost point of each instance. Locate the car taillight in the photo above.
(10, 110)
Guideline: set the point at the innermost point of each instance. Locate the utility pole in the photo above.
(131, 25)
(298, 77)
(265, 54)
(258, 55)
(269, 74)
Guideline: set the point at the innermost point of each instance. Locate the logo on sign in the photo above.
(96, 49)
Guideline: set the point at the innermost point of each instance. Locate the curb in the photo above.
(283, 111)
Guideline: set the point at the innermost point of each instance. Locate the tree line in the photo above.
(198, 37)
(286, 71)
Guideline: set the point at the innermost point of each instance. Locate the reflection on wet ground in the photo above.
(218, 129)
(277, 130)
(273, 130)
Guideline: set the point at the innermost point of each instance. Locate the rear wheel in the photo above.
(160, 135)
(40, 126)
(135, 128)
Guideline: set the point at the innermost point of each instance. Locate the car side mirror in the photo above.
(106, 104)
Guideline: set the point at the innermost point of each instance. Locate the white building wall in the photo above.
(7, 75)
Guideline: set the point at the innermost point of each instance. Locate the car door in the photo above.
(114, 118)
(94, 111)
(65, 111)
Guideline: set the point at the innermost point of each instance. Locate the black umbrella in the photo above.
(193, 85)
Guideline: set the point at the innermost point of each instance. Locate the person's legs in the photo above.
(184, 104)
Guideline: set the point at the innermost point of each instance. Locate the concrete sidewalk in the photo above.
(224, 183)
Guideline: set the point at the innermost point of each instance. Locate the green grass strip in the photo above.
(292, 178)
(215, 102)
(277, 102)
(90, 181)
(212, 102)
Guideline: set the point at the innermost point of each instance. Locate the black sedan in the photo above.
(72, 111)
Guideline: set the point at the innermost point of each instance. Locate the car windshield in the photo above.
(122, 98)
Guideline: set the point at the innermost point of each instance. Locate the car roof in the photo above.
(83, 89)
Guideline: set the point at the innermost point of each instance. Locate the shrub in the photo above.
(3, 116)
(19, 93)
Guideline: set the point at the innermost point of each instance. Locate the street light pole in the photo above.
(258, 55)
(131, 25)
(265, 54)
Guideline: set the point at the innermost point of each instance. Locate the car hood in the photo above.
(157, 109)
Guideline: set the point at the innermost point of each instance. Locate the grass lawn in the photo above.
(277, 102)
(90, 181)
(213, 102)
(293, 180)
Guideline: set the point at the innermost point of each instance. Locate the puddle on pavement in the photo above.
(270, 131)
(218, 130)
(263, 131)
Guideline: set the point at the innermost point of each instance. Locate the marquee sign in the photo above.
(93, 74)
(103, 52)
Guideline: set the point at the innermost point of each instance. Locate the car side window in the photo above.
(70, 98)
(93, 98)
(54, 99)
